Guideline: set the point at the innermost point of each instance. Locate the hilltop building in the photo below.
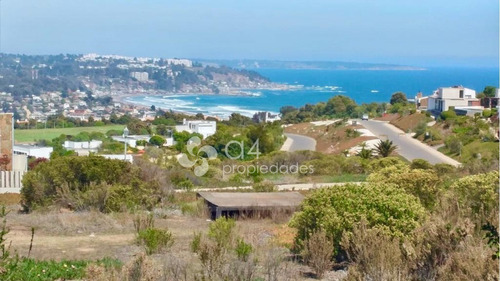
(33, 150)
(140, 76)
(203, 127)
(131, 140)
(266, 116)
(457, 97)
(83, 148)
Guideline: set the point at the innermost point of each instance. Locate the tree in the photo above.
(162, 130)
(489, 91)
(336, 210)
(398, 97)
(153, 108)
(75, 180)
(385, 148)
(157, 140)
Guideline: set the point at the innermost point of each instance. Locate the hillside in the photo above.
(23, 75)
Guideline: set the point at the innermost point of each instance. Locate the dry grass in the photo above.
(93, 235)
(10, 198)
(330, 139)
(408, 122)
(72, 223)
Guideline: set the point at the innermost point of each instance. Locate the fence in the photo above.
(11, 181)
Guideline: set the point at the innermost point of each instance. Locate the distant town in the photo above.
(92, 86)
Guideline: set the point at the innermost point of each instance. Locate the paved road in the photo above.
(298, 142)
(408, 147)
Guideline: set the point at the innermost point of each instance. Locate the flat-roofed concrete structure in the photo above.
(238, 203)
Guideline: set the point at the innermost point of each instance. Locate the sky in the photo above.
(463, 33)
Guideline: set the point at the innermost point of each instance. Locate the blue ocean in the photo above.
(313, 86)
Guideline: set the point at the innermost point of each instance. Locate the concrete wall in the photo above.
(454, 93)
(20, 162)
(455, 103)
(11, 181)
(6, 137)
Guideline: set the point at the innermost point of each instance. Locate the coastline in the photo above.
(232, 92)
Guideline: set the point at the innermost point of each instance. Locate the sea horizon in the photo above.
(313, 86)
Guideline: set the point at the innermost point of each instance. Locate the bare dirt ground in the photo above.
(408, 122)
(90, 235)
(330, 139)
(388, 117)
(65, 235)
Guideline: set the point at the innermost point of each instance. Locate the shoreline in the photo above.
(234, 92)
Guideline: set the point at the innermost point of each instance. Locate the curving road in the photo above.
(408, 147)
(298, 142)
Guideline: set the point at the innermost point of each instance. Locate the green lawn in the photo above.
(21, 136)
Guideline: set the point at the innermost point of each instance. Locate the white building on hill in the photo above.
(456, 96)
(203, 127)
(33, 151)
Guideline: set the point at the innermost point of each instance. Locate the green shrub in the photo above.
(197, 208)
(155, 240)
(222, 231)
(420, 183)
(326, 165)
(487, 113)
(127, 197)
(478, 192)
(186, 184)
(421, 128)
(448, 115)
(381, 163)
(243, 250)
(444, 169)
(454, 144)
(420, 164)
(157, 140)
(69, 180)
(264, 186)
(337, 209)
(435, 134)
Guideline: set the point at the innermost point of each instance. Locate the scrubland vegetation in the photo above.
(412, 221)
(90, 218)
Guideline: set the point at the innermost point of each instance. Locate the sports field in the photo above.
(26, 136)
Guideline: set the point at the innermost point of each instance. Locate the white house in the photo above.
(456, 96)
(203, 127)
(33, 151)
(122, 157)
(266, 116)
(131, 140)
(83, 148)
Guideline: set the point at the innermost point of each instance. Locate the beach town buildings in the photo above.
(83, 148)
(132, 139)
(457, 97)
(266, 116)
(421, 102)
(33, 150)
(202, 127)
(491, 102)
(140, 76)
